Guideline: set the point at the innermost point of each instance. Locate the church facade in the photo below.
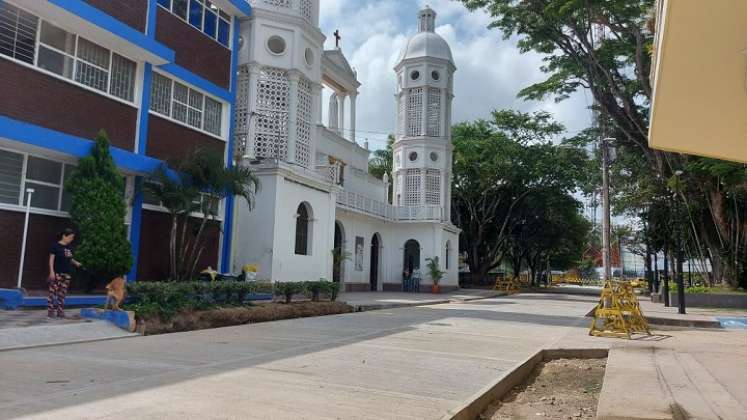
(319, 213)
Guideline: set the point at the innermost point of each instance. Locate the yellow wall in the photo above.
(700, 93)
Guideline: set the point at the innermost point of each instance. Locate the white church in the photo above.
(317, 198)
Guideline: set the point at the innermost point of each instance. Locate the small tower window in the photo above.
(434, 156)
(309, 56)
(413, 156)
(435, 75)
(276, 45)
(415, 75)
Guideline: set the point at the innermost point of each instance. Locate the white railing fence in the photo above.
(363, 204)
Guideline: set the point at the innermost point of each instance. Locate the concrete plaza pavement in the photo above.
(403, 363)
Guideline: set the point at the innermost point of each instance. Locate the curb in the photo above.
(64, 343)
(674, 322)
(479, 402)
(376, 307)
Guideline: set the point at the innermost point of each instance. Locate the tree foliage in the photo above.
(98, 212)
(192, 190)
(500, 168)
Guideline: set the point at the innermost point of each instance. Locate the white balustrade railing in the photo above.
(357, 202)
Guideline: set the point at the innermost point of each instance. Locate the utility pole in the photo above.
(606, 219)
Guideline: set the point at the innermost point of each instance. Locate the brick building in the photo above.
(158, 75)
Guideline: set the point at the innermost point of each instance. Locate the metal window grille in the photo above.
(415, 112)
(412, 187)
(434, 112)
(92, 66)
(271, 128)
(11, 175)
(122, 83)
(433, 187)
(213, 116)
(160, 95)
(303, 126)
(17, 33)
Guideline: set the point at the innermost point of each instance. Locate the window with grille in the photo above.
(415, 112)
(434, 112)
(433, 187)
(186, 105)
(17, 33)
(46, 177)
(241, 112)
(204, 15)
(412, 187)
(402, 115)
(303, 125)
(302, 230)
(271, 120)
(65, 54)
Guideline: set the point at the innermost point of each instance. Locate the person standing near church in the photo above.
(61, 262)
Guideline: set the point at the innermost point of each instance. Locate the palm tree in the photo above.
(382, 162)
(197, 184)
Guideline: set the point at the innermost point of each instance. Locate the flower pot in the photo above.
(436, 289)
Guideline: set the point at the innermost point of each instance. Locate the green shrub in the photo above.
(288, 289)
(167, 299)
(316, 288)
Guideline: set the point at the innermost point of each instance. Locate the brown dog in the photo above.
(115, 293)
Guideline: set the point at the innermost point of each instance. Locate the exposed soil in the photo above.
(558, 389)
(226, 317)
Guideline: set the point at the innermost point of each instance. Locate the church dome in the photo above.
(426, 43)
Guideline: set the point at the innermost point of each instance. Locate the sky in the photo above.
(490, 70)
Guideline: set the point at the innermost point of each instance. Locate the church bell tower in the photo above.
(422, 148)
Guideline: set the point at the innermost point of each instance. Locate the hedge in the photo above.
(167, 299)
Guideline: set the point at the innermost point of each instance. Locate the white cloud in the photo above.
(491, 71)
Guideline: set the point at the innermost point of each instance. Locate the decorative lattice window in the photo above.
(433, 187)
(402, 115)
(241, 112)
(278, 3)
(271, 128)
(307, 10)
(415, 112)
(412, 187)
(434, 112)
(303, 126)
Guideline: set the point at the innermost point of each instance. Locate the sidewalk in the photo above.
(658, 314)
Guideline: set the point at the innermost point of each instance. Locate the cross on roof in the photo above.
(338, 37)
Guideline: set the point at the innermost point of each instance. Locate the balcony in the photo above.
(362, 204)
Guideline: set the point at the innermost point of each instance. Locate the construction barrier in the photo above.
(511, 285)
(618, 313)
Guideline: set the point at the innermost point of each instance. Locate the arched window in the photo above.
(448, 254)
(302, 230)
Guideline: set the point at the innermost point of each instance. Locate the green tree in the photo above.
(98, 211)
(381, 163)
(497, 167)
(192, 192)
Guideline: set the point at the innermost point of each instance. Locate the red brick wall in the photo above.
(132, 12)
(194, 50)
(153, 261)
(42, 233)
(31, 96)
(169, 141)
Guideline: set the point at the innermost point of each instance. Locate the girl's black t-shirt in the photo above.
(63, 256)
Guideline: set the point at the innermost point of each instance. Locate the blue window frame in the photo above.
(224, 30)
(195, 14)
(204, 16)
(210, 23)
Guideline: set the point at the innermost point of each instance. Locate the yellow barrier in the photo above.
(509, 285)
(618, 313)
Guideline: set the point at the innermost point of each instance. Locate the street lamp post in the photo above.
(30, 192)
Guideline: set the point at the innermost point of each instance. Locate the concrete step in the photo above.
(658, 383)
(49, 335)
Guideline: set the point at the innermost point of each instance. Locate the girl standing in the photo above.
(60, 266)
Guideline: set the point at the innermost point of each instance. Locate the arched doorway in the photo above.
(412, 256)
(375, 262)
(338, 254)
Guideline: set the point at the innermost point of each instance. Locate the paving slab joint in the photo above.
(473, 407)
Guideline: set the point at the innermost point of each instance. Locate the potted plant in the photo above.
(434, 269)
